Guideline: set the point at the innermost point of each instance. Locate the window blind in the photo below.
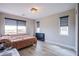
(64, 21)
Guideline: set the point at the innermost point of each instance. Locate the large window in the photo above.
(14, 26)
(64, 25)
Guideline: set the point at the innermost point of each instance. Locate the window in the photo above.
(21, 27)
(38, 27)
(64, 30)
(10, 26)
(15, 26)
(64, 25)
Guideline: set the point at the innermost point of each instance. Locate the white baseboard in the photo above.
(62, 45)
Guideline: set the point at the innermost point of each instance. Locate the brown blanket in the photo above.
(20, 41)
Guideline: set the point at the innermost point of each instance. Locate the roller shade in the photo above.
(64, 21)
(38, 24)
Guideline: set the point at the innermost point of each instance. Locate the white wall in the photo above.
(51, 27)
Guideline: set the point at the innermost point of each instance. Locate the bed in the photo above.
(20, 41)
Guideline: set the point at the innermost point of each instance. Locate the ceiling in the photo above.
(44, 9)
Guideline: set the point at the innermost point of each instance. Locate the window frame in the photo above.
(15, 24)
(64, 25)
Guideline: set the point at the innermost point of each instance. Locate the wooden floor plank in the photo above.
(46, 49)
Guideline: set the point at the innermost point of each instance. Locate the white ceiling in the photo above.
(45, 9)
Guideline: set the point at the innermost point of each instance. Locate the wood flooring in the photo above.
(46, 49)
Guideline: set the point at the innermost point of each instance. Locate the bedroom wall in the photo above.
(30, 25)
(50, 26)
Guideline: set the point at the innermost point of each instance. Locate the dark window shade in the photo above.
(64, 21)
(21, 23)
(10, 22)
(38, 24)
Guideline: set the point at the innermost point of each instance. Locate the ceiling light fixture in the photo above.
(34, 10)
